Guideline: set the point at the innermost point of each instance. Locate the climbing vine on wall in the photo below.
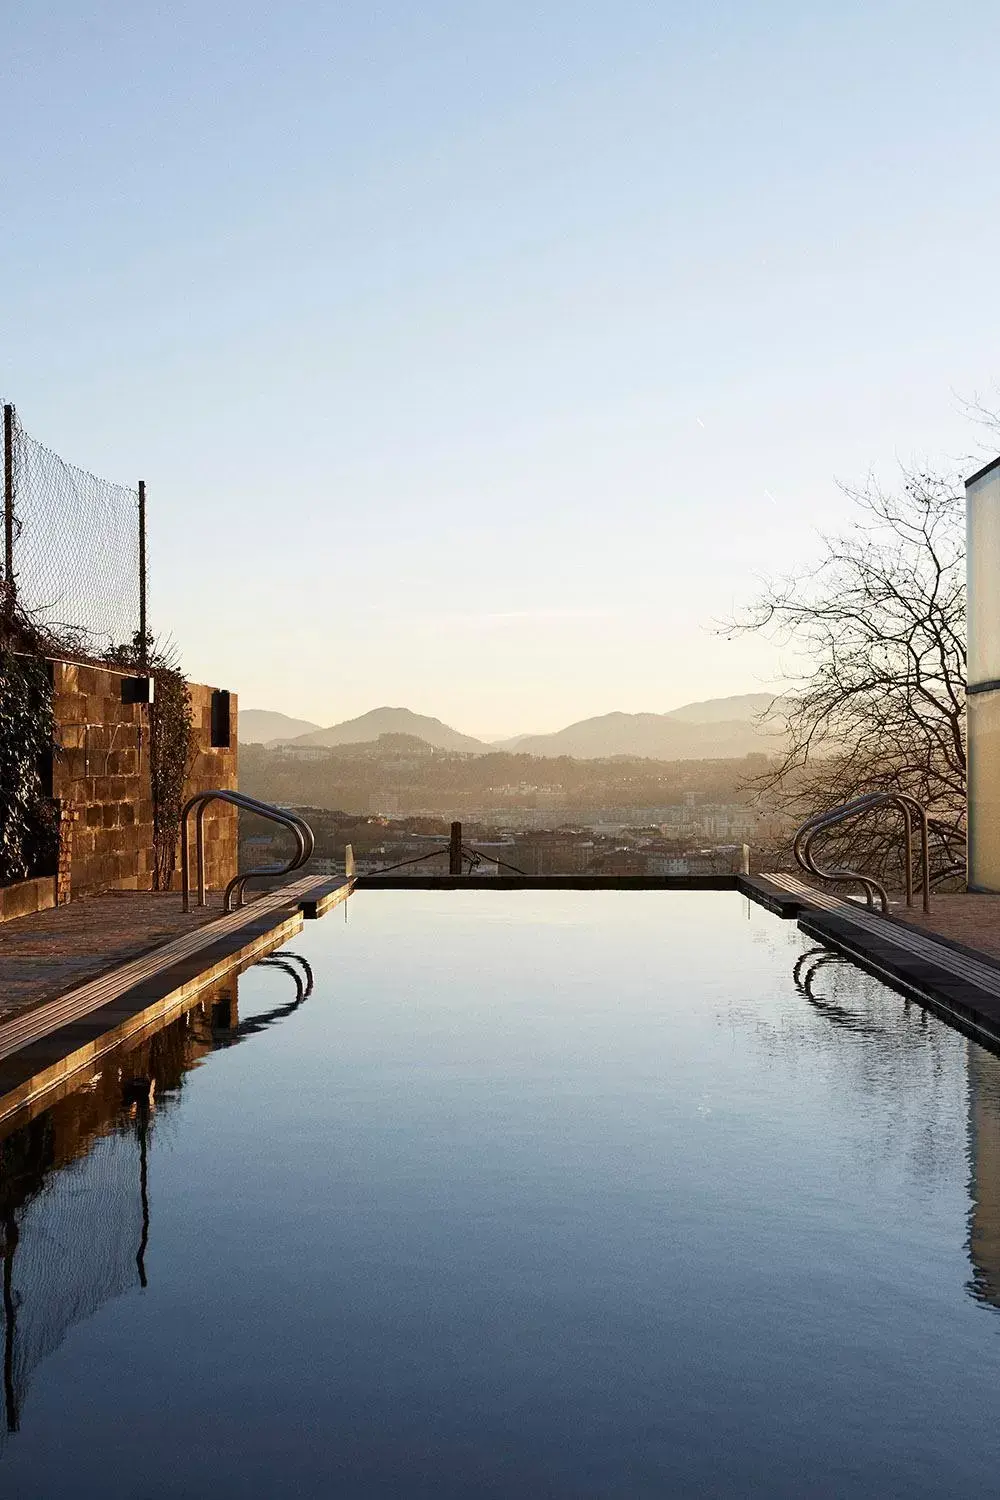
(29, 833)
(171, 746)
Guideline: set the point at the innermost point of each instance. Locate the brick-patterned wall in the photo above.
(100, 777)
(214, 768)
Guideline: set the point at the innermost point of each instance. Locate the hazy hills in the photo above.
(716, 729)
(379, 721)
(719, 728)
(261, 726)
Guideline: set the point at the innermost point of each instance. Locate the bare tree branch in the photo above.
(876, 698)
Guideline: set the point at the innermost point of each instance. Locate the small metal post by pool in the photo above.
(143, 639)
(10, 585)
(982, 512)
(455, 850)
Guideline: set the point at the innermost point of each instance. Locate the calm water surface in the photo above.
(535, 1194)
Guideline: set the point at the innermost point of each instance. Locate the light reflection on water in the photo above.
(596, 1193)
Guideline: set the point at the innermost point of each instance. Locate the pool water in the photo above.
(536, 1194)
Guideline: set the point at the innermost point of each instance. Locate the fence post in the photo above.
(143, 652)
(8, 507)
(455, 850)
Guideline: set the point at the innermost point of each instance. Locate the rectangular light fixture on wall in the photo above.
(137, 689)
(221, 732)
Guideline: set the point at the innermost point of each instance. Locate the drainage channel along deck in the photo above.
(947, 976)
(41, 1047)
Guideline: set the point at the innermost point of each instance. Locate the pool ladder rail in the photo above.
(822, 822)
(235, 890)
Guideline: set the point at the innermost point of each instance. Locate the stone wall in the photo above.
(100, 779)
(27, 896)
(215, 767)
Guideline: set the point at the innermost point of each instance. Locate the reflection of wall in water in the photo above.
(923, 1084)
(984, 1187)
(74, 1214)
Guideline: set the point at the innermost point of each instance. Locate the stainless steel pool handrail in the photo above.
(820, 822)
(305, 843)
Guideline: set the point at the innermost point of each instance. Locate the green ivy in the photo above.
(29, 834)
(171, 729)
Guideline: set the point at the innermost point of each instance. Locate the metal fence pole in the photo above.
(8, 506)
(143, 651)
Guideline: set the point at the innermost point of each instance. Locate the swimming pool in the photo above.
(548, 1193)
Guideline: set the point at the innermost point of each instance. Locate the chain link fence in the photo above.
(74, 553)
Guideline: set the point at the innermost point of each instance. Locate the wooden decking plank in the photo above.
(190, 954)
(48, 1062)
(964, 1003)
(980, 972)
(946, 976)
(325, 897)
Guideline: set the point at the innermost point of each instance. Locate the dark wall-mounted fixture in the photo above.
(137, 689)
(220, 720)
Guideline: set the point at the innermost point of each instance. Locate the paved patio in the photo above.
(50, 952)
(965, 918)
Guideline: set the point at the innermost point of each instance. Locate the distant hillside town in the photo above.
(692, 839)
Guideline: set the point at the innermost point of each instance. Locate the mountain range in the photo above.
(262, 726)
(718, 728)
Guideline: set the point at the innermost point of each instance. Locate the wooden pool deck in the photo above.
(948, 958)
(80, 979)
(49, 952)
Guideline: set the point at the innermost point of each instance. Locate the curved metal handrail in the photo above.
(305, 843)
(820, 822)
(802, 849)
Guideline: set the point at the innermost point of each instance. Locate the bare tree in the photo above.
(877, 682)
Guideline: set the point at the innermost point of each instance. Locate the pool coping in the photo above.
(145, 992)
(724, 882)
(47, 1061)
(966, 1006)
(970, 1007)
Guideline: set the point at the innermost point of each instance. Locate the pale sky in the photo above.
(477, 356)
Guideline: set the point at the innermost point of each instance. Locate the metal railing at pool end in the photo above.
(305, 843)
(822, 822)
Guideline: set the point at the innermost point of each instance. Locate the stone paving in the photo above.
(46, 954)
(965, 918)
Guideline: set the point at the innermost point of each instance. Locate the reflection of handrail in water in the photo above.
(140, 1091)
(285, 961)
(836, 1014)
(251, 1025)
(982, 1065)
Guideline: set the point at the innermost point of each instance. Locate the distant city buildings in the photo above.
(713, 820)
(676, 839)
(552, 853)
